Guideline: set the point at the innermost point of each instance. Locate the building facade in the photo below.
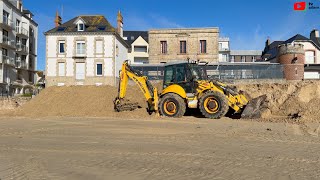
(85, 50)
(245, 55)
(311, 47)
(18, 47)
(224, 49)
(181, 44)
(139, 46)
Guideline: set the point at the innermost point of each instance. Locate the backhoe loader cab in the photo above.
(183, 74)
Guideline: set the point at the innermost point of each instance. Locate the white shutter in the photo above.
(80, 71)
(61, 69)
(99, 46)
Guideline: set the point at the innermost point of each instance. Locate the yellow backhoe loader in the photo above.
(184, 85)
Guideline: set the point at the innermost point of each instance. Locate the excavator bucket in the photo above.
(124, 105)
(254, 107)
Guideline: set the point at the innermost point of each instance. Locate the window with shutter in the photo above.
(61, 69)
(99, 47)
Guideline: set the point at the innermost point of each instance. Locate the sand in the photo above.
(81, 101)
(296, 100)
(292, 99)
(173, 149)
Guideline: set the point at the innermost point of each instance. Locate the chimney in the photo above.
(19, 5)
(314, 34)
(267, 44)
(120, 24)
(57, 20)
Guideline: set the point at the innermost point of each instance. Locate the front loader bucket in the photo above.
(254, 107)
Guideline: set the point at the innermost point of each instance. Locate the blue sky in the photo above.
(248, 23)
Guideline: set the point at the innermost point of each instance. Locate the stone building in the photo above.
(181, 44)
(86, 50)
(18, 62)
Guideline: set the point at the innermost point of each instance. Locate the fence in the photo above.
(223, 71)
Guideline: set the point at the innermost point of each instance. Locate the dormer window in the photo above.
(80, 27)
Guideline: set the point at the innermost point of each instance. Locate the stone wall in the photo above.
(192, 38)
(9, 103)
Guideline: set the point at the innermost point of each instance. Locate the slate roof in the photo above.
(272, 51)
(297, 37)
(93, 23)
(26, 11)
(133, 35)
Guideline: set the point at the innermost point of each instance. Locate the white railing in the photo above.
(22, 31)
(21, 64)
(5, 20)
(22, 47)
(7, 41)
(8, 60)
(80, 52)
(224, 49)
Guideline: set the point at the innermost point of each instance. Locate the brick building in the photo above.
(180, 44)
(311, 47)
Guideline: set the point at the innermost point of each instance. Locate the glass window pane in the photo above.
(99, 69)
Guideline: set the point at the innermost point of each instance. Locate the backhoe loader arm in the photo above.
(150, 93)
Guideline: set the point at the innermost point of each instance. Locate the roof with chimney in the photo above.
(93, 23)
(271, 51)
(315, 39)
(131, 36)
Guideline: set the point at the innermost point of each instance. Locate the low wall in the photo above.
(7, 103)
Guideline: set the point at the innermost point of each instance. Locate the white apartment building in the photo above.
(85, 50)
(139, 46)
(19, 36)
(224, 49)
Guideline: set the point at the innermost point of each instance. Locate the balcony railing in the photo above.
(8, 60)
(21, 64)
(6, 21)
(224, 49)
(80, 52)
(21, 30)
(22, 47)
(7, 41)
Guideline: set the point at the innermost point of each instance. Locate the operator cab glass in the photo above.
(183, 74)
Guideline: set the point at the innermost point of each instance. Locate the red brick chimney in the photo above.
(57, 20)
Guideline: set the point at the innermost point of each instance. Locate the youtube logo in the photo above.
(300, 6)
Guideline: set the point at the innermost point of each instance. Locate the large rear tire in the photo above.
(213, 105)
(172, 105)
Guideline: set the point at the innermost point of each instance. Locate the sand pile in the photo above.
(292, 99)
(81, 101)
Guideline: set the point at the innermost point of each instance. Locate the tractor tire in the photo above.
(172, 105)
(213, 105)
